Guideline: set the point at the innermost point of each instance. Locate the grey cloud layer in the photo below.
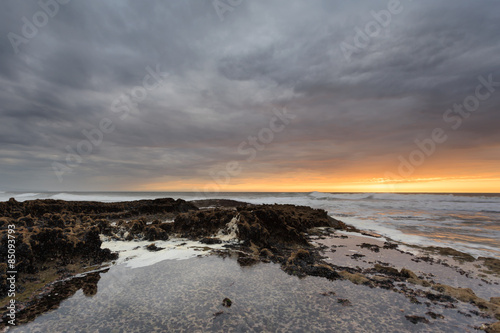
(225, 78)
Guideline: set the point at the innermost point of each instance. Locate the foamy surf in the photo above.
(230, 232)
(134, 254)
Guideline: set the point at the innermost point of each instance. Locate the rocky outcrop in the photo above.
(27, 210)
(218, 203)
(200, 224)
(265, 232)
(51, 234)
(261, 225)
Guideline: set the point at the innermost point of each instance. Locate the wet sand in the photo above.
(354, 252)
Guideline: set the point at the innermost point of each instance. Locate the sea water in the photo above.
(465, 222)
(186, 296)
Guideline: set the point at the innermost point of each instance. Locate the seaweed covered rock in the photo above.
(52, 234)
(50, 243)
(304, 262)
(57, 209)
(260, 225)
(386, 270)
(153, 233)
(493, 328)
(265, 225)
(202, 223)
(227, 203)
(493, 264)
(265, 232)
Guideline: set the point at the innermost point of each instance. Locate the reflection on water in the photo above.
(463, 236)
(186, 295)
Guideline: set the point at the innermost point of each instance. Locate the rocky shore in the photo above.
(56, 240)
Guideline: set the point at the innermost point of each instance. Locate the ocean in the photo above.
(466, 222)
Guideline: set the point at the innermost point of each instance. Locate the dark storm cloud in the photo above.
(225, 78)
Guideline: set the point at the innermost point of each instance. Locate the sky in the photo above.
(241, 95)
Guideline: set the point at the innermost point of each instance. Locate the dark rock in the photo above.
(371, 247)
(328, 293)
(447, 251)
(262, 225)
(26, 220)
(417, 319)
(414, 300)
(406, 273)
(300, 257)
(167, 227)
(227, 302)
(137, 226)
(37, 208)
(493, 264)
(210, 240)
(439, 298)
(344, 302)
(357, 256)
(434, 315)
(104, 227)
(201, 223)
(390, 246)
(386, 270)
(465, 314)
(245, 260)
(153, 248)
(154, 232)
(269, 231)
(266, 253)
(322, 270)
(50, 243)
(218, 203)
(493, 328)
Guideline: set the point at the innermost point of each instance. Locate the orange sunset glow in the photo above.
(428, 185)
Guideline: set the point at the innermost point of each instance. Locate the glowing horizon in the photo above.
(435, 185)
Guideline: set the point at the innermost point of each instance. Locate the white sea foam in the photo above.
(134, 253)
(94, 197)
(405, 197)
(230, 232)
(25, 196)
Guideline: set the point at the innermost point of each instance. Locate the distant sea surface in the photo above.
(465, 222)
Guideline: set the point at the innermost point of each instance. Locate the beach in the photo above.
(168, 264)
